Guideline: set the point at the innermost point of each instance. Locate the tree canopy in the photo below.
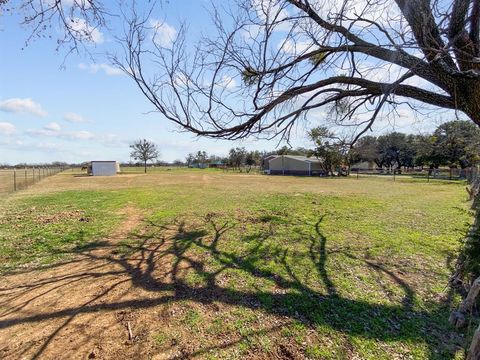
(455, 144)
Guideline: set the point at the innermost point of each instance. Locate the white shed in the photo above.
(103, 168)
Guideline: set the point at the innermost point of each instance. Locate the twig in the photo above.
(130, 334)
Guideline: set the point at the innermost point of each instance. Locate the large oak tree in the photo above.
(272, 62)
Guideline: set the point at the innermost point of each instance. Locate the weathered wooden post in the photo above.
(14, 179)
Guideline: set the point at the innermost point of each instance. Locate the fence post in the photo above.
(33, 174)
(39, 178)
(394, 171)
(14, 179)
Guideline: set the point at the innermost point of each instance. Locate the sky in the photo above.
(72, 108)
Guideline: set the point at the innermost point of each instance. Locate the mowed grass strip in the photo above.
(299, 267)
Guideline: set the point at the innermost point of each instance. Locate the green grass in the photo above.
(344, 267)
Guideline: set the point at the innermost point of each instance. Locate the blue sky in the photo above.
(89, 110)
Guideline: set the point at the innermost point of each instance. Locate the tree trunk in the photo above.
(458, 319)
(145, 166)
(474, 350)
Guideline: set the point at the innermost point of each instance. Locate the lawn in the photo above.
(223, 265)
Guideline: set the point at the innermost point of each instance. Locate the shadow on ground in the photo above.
(154, 264)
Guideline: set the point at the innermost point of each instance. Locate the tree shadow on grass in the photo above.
(157, 260)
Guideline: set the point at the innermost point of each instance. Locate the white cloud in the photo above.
(295, 47)
(7, 128)
(54, 130)
(109, 138)
(84, 4)
(53, 126)
(74, 118)
(51, 129)
(272, 9)
(49, 146)
(180, 79)
(85, 31)
(227, 82)
(163, 33)
(27, 105)
(79, 135)
(378, 11)
(94, 68)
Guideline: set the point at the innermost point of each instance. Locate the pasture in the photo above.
(202, 263)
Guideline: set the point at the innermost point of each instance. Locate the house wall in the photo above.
(291, 166)
(104, 168)
(317, 169)
(266, 162)
(288, 166)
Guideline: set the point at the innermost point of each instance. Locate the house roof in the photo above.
(299, 158)
(270, 156)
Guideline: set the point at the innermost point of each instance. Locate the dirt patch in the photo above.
(133, 217)
(50, 314)
(40, 218)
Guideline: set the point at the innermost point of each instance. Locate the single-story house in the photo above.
(216, 164)
(294, 165)
(103, 168)
(198, 165)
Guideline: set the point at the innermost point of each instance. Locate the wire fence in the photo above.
(16, 179)
(468, 174)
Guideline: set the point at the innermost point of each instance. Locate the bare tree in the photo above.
(274, 61)
(71, 23)
(144, 151)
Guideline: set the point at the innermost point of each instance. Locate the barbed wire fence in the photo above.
(468, 174)
(15, 179)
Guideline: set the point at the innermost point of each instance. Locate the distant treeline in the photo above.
(54, 164)
(452, 144)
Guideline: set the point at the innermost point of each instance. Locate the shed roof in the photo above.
(299, 158)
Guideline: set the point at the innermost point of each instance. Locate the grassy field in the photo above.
(207, 264)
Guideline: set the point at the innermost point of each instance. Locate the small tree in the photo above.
(190, 159)
(236, 157)
(330, 153)
(201, 158)
(253, 158)
(144, 151)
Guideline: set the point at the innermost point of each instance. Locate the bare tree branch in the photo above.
(274, 62)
